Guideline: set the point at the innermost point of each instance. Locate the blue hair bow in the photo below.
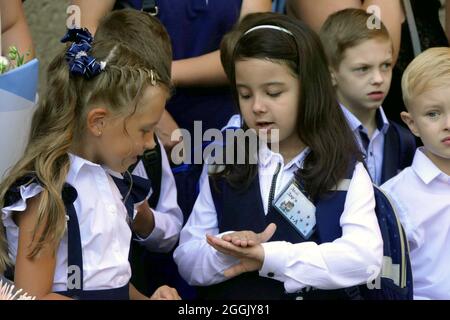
(80, 62)
(77, 35)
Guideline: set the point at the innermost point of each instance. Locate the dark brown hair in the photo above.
(321, 124)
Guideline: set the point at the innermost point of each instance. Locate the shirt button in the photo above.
(271, 274)
(112, 209)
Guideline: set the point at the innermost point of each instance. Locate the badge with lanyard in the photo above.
(296, 208)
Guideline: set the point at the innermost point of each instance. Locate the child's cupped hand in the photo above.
(249, 238)
(251, 256)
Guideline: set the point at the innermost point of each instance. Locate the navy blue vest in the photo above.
(243, 210)
(399, 150)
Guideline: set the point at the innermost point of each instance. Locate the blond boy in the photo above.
(421, 192)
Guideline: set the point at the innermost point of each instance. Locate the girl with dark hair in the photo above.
(308, 190)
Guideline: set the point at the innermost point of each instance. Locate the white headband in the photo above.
(268, 26)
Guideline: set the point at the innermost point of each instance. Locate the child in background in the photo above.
(161, 227)
(421, 192)
(360, 60)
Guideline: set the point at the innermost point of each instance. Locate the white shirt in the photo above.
(344, 262)
(167, 214)
(102, 217)
(421, 195)
(374, 154)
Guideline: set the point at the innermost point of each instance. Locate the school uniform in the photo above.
(167, 214)
(151, 258)
(421, 195)
(289, 265)
(389, 150)
(98, 235)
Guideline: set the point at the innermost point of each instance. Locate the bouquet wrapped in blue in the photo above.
(18, 96)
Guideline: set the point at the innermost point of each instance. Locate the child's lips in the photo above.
(376, 95)
(446, 141)
(264, 125)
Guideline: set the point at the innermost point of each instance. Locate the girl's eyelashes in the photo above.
(147, 129)
(270, 94)
(244, 96)
(274, 94)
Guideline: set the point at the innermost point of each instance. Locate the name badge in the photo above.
(296, 208)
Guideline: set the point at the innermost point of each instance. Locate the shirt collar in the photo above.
(355, 124)
(382, 120)
(425, 169)
(266, 155)
(76, 164)
(113, 173)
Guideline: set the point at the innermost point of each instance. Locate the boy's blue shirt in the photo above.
(391, 147)
(374, 156)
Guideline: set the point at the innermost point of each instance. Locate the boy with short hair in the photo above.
(159, 230)
(360, 59)
(421, 192)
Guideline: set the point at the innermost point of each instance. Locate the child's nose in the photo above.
(377, 77)
(149, 142)
(258, 105)
(447, 122)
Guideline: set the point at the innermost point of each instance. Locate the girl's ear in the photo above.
(409, 120)
(96, 121)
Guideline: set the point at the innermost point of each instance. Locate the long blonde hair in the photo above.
(60, 118)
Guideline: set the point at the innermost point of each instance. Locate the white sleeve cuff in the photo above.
(164, 235)
(275, 260)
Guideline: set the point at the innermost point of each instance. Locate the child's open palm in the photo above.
(250, 257)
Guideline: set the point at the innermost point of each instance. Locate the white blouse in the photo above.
(105, 233)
